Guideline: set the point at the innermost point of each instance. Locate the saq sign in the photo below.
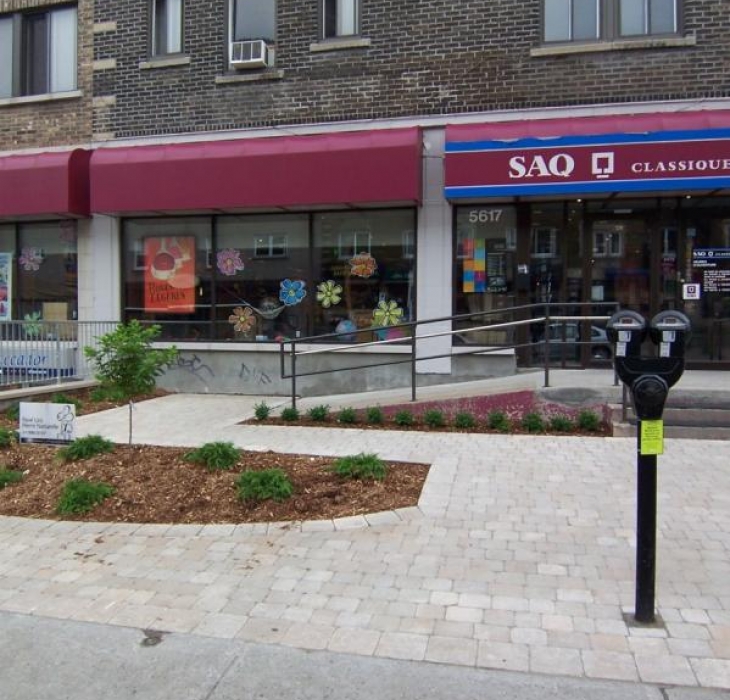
(575, 165)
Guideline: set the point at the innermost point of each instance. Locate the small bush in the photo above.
(589, 420)
(347, 415)
(404, 418)
(561, 424)
(6, 437)
(9, 476)
(434, 418)
(497, 420)
(215, 455)
(270, 484)
(374, 415)
(65, 398)
(533, 422)
(101, 394)
(290, 414)
(81, 496)
(362, 466)
(12, 412)
(464, 421)
(261, 411)
(319, 413)
(84, 448)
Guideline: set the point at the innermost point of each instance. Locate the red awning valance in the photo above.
(45, 184)
(347, 168)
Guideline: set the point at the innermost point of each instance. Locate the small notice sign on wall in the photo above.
(52, 423)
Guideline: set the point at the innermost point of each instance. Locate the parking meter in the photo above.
(670, 330)
(649, 380)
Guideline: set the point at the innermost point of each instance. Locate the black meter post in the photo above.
(649, 380)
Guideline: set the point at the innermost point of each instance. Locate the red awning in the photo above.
(45, 184)
(350, 168)
(589, 126)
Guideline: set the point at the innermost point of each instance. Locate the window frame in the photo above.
(24, 62)
(155, 52)
(609, 24)
(324, 21)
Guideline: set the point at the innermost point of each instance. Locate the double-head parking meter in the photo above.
(649, 380)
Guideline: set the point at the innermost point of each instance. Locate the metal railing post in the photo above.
(413, 364)
(293, 375)
(546, 347)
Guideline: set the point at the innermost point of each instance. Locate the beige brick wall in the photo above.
(45, 121)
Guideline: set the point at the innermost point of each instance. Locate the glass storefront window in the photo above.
(485, 250)
(364, 271)
(269, 277)
(7, 257)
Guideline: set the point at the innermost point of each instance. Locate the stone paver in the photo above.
(520, 556)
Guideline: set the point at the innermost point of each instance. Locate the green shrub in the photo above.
(215, 455)
(561, 424)
(362, 466)
(533, 422)
(347, 415)
(9, 476)
(65, 398)
(319, 413)
(12, 412)
(101, 394)
(464, 421)
(84, 448)
(290, 414)
(261, 411)
(270, 484)
(589, 420)
(81, 496)
(6, 437)
(434, 418)
(497, 420)
(374, 415)
(126, 360)
(404, 418)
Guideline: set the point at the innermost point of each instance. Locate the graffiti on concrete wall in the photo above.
(253, 375)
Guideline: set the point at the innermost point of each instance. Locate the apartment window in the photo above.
(340, 18)
(253, 19)
(167, 23)
(591, 20)
(38, 52)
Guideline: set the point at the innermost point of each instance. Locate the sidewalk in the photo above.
(519, 557)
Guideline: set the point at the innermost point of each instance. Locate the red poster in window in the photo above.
(169, 276)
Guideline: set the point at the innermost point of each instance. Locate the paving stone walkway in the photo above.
(520, 556)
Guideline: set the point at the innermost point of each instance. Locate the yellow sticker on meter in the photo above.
(652, 437)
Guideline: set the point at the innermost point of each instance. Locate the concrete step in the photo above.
(697, 422)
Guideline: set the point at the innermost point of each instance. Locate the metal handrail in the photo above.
(289, 347)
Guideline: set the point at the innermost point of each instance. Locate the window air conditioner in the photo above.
(249, 54)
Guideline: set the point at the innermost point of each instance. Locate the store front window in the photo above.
(485, 264)
(38, 271)
(272, 277)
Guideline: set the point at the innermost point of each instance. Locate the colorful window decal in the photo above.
(475, 265)
(242, 319)
(388, 313)
(229, 261)
(292, 292)
(363, 265)
(329, 293)
(31, 259)
(6, 285)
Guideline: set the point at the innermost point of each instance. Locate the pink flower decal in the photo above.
(242, 319)
(363, 265)
(31, 259)
(229, 261)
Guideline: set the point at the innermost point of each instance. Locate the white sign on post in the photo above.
(53, 423)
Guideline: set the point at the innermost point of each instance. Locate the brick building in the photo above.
(304, 165)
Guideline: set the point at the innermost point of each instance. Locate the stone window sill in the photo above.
(617, 45)
(339, 44)
(249, 77)
(166, 62)
(48, 97)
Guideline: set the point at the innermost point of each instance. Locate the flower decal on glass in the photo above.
(31, 259)
(292, 291)
(363, 265)
(242, 319)
(388, 313)
(329, 293)
(229, 261)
